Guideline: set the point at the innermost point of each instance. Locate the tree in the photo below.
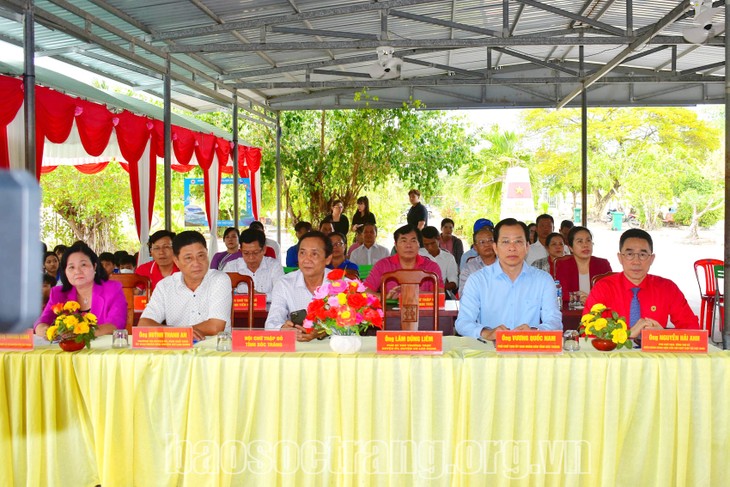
(635, 154)
(93, 206)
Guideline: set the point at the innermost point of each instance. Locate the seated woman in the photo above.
(556, 249)
(85, 281)
(50, 266)
(576, 272)
(338, 256)
(232, 252)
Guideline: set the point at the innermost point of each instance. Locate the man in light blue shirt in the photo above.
(509, 295)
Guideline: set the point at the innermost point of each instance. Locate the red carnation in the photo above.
(373, 317)
(376, 304)
(356, 301)
(336, 274)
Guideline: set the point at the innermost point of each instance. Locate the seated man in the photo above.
(264, 271)
(407, 243)
(196, 296)
(369, 252)
(472, 252)
(108, 263)
(292, 254)
(483, 243)
(444, 259)
(272, 246)
(163, 263)
(293, 292)
(509, 295)
(645, 300)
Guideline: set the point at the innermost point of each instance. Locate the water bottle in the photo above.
(559, 292)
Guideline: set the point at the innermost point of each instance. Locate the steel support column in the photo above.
(168, 146)
(235, 161)
(726, 287)
(29, 87)
(279, 178)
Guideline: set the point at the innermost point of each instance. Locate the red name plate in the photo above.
(426, 300)
(410, 342)
(676, 341)
(240, 302)
(264, 341)
(140, 302)
(162, 337)
(529, 341)
(17, 341)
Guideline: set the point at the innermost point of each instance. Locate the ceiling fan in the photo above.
(387, 66)
(703, 28)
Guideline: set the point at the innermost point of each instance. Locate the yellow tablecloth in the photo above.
(469, 417)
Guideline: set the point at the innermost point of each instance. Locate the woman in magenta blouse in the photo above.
(84, 280)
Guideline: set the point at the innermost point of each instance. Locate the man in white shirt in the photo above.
(269, 242)
(293, 292)
(545, 226)
(264, 271)
(444, 259)
(483, 241)
(369, 252)
(196, 297)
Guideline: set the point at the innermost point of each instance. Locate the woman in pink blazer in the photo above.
(575, 272)
(85, 281)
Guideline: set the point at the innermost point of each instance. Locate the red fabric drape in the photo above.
(54, 119)
(11, 99)
(252, 158)
(181, 168)
(94, 124)
(92, 168)
(47, 169)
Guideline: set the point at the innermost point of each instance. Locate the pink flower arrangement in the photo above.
(342, 307)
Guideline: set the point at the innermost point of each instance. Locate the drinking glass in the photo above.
(120, 339)
(224, 342)
(571, 341)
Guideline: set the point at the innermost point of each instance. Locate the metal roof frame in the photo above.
(314, 54)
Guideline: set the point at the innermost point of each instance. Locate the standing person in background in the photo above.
(532, 231)
(449, 242)
(272, 246)
(339, 221)
(232, 252)
(417, 214)
(363, 214)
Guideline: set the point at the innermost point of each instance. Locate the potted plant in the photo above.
(608, 329)
(73, 329)
(343, 310)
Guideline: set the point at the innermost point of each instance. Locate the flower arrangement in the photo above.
(71, 324)
(342, 307)
(605, 324)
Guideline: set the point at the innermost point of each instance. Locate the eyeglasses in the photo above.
(486, 241)
(518, 242)
(338, 244)
(252, 253)
(160, 248)
(633, 255)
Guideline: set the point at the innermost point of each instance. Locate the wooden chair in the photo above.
(599, 277)
(410, 281)
(130, 283)
(704, 271)
(237, 279)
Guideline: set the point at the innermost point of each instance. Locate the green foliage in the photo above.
(92, 208)
(683, 216)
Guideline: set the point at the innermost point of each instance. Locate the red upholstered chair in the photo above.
(130, 283)
(599, 277)
(236, 279)
(719, 306)
(704, 271)
(410, 281)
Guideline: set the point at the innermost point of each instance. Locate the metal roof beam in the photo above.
(451, 80)
(667, 91)
(443, 67)
(580, 18)
(320, 32)
(330, 72)
(534, 60)
(445, 23)
(643, 53)
(672, 16)
(702, 68)
(78, 48)
(450, 94)
(533, 93)
(287, 18)
(535, 40)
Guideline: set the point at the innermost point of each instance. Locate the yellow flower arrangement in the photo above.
(601, 322)
(70, 324)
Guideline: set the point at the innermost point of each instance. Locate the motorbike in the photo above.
(630, 218)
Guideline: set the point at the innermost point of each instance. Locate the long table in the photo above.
(313, 418)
